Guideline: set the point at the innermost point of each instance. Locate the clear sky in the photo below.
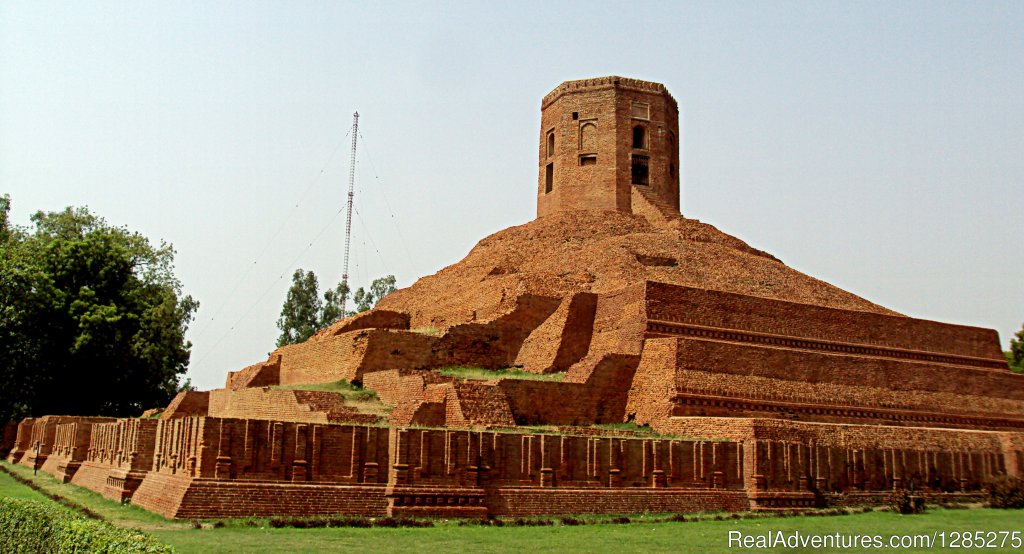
(878, 146)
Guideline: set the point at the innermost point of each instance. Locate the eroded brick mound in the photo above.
(601, 251)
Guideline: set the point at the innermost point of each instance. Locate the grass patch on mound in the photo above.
(482, 374)
(362, 399)
(344, 388)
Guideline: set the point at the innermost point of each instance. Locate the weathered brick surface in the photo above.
(284, 405)
(964, 345)
(563, 339)
(515, 502)
(392, 386)
(188, 403)
(22, 440)
(43, 437)
(702, 377)
(162, 493)
(351, 355)
(374, 319)
(263, 374)
(92, 476)
(70, 448)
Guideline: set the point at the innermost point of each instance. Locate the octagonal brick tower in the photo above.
(601, 137)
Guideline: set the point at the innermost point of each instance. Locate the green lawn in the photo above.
(642, 535)
(703, 536)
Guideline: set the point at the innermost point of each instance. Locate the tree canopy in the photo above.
(92, 318)
(1015, 355)
(303, 313)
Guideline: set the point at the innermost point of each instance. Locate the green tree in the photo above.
(379, 288)
(1015, 355)
(92, 318)
(333, 298)
(303, 313)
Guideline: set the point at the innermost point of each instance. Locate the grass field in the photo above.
(644, 534)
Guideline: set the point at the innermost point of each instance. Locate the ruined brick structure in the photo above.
(753, 386)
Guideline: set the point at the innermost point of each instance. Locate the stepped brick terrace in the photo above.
(661, 365)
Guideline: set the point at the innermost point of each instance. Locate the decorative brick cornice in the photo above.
(678, 328)
(611, 81)
(743, 407)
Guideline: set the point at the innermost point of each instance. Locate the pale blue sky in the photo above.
(876, 145)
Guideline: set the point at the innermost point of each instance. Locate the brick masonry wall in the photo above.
(240, 499)
(373, 319)
(619, 322)
(719, 309)
(163, 493)
(562, 339)
(650, 398)
(44, 434)
(263, 374)
(125, 444)
(216, 467)
(284, 405)
(22, 440)
(394, 385)
(459, 458)
(92, 476)
(187, 403)
(516, 502)
(807, 379)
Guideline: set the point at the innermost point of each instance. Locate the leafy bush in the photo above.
(903, 502)
(30, 526)
(1005, 492)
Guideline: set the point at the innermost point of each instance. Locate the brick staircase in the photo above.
(657, 211)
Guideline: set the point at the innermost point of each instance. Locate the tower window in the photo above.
(588, 159)
(549, 177)
(640, 170)
(639, 137)
(551, 143)
(672, 170)
(575, 116)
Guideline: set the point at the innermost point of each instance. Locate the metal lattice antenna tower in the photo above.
(348, 216)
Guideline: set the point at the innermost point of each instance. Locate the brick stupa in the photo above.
(749, 384)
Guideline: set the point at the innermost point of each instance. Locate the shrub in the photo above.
(1005, 492)
(903, 502)
(29, 526)
(360, 522)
